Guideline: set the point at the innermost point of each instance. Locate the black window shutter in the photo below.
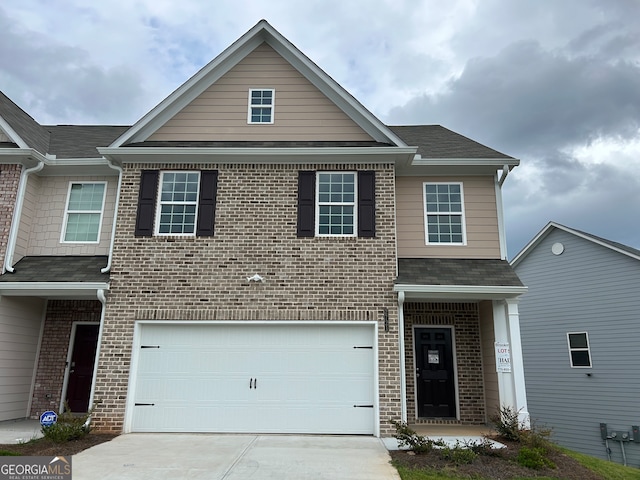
(147, 203)
(367, 204)
(306, 203)
(207, 203)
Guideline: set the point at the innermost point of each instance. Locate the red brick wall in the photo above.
(465, 319)
(59, 318)
(9, 180)
(205, 278)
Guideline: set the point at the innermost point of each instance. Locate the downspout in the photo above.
(403, 377)
(103, 300)
(17, 213)
(115, 215)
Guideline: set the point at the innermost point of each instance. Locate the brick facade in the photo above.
(9, 180)
(465, 320)
(61, 314)
(205, 278)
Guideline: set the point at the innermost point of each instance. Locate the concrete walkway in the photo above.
(235, 457)
(19, 431)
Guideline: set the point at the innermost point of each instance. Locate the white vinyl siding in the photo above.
(83, 215)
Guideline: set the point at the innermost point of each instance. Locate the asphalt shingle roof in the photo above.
(34, 134)
(453, 271)
(80, 141)
(435, 141)
(58, 269)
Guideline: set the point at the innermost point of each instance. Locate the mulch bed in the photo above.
(46, 448)
(502, 466)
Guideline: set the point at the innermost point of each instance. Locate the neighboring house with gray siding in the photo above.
(580, 325)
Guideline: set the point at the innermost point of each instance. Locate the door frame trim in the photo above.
(455, 368)
(67, 368)
(135, 348)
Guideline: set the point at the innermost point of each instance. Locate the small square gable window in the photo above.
(261, 105)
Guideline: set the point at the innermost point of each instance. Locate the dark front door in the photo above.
(434, 373)
(81, 367)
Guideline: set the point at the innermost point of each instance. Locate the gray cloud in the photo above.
(56, 83)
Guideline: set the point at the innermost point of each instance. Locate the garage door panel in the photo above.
(281, 378)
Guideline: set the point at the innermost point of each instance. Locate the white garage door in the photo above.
(254, 378)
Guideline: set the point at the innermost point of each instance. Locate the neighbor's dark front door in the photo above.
(81, 367)
(434, 373)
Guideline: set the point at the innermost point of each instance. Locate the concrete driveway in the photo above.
(235, 457)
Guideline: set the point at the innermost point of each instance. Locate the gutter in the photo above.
(17, 214)
(115, 216)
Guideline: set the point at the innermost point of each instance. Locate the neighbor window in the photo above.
(261, 105)
(444, 214)
(579, 353)
(336, 197)
(178, 203)
(83, 216)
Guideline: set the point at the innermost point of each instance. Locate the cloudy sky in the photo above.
(553, 83)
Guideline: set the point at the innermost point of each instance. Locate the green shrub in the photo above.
(416, 443)
(460, 454)
(534, 458)
(68, 427)
(507, 424)
(8, 453)
(482, 447)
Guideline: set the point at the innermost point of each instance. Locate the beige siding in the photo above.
(4, 137)
(487, 335)
(20, 321)
(27, 218)
(43, 215)
(481, 218)
(302, 112)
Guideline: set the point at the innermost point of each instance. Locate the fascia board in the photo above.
(532, 243)
(189, 90)
(26, 156)
(258, 155)
(332, 89)
(460, 291)
(52, 289)
(11, 133)
(462, 162)
(553, 225)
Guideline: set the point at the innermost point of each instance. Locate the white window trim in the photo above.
(588, 350)
(272, 106)
(159, 203)
(462, 215)
(66, 212)
(354, 204)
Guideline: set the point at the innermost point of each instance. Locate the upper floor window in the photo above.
(261, 105)
(336, 203)
(178, 203)
(444, 214)
(83, 215)
(579, 353)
